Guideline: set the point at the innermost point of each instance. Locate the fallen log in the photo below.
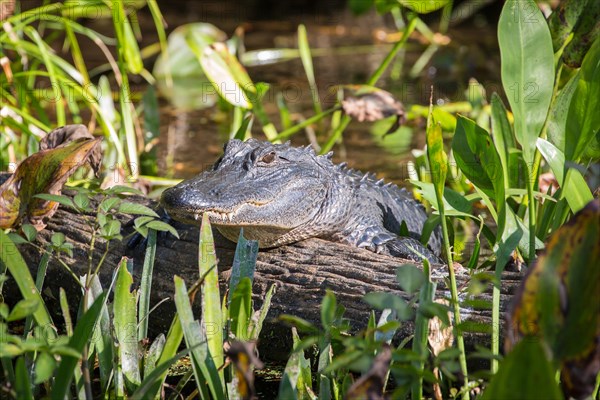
(301, 272)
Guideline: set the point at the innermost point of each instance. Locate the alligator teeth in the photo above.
(230, 216)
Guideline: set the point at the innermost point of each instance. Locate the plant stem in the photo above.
(460, 343)
(410, 27)
(531, 208)
(496, 320)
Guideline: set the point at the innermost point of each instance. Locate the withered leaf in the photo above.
(43, 172)
(69, 133)
(243, 356)
(558, 301)
(372, 104)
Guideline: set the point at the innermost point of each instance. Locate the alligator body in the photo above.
(281, 194)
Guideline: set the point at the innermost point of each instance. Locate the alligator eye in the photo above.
(268, 158)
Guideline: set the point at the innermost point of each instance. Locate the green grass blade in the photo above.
(12, 259)
(174, 338)
(22, 382)
(146, 285)
(125, 104)
(39, 284)
(212, 319)
(575, 189)
(76, 51)
(146, 388)
(81, 336)
(44, 51)
(102, 342)
(256, 325)
(307, 63)
(205, 371)
(153, 355)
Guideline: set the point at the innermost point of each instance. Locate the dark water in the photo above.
(192, 141)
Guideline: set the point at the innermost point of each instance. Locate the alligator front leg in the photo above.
(379, 240)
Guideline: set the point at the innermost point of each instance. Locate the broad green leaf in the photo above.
(44, 367)
(226, 74)
(127, 207)
(557, 120)
(438, 161)
(29, 231)
(575, 188)
(455, 204)
(410, 278)
(328, 307)
(382, 301)
(477, 158)
(189, 87)
(125, 322)
(583, 119)
(162, 226)
(525, 373)
(423, 6)
(22, 309)
(212, 320)
(527, 67)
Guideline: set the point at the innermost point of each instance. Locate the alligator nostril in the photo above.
(214, 192)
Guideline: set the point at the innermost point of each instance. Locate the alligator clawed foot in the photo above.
(411, 249)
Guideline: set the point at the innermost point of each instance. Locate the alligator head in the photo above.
(274, 191)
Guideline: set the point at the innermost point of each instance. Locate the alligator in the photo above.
(281, 194)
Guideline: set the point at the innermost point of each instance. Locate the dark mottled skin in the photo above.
(282, 194)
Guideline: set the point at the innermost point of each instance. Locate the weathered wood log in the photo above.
(302, 273)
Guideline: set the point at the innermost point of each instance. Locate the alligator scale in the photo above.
(282, 194)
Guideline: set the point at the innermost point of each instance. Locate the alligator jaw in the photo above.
(219, 216)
